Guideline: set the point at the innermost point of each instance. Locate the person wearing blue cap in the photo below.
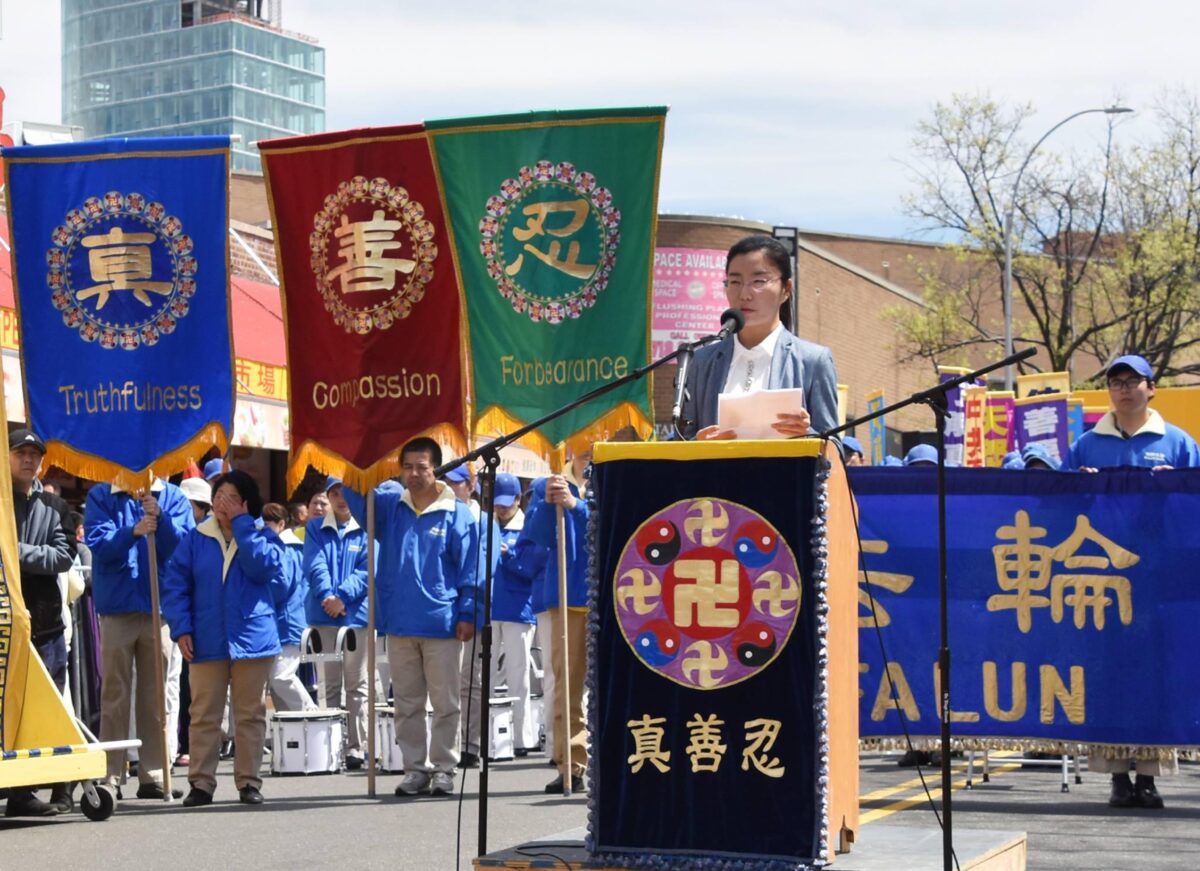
(471, 675)
(214, 469)
(335, 569)
(1036, 456)
(889, 460)
(1012, 461)
(1133, 433)
(513, 623)
(921, 455)
(852, 450)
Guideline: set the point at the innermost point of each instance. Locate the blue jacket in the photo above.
(427, 580)
(290, 589)
(222, 596)
(1158, 443)
(335, 565)
(541, 528)
(521, 564)
(120, 563)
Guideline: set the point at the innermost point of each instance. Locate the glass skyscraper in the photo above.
(182, 67)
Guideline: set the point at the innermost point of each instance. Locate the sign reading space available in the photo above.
(689, 296)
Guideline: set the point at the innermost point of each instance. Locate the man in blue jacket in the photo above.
(566, 491)
(428, 589)
(335, 568)
(116, 525)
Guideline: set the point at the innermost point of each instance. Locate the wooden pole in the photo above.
(160, 681)
(563, 686)
(370, 642)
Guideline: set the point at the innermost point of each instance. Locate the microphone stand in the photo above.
(684, 353)
(490, 453)
(935, 398)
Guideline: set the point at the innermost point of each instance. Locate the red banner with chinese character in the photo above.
(372, 305)
(974, 426)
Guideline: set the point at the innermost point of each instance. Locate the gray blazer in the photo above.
(795, 363)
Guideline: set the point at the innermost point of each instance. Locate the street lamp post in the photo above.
(1008, 224)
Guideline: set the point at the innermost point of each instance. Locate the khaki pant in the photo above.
(126, 639)
(353, 670)
(576, 729)
(426, 668)
(1149, 767)
(246, 682)
(470, 693)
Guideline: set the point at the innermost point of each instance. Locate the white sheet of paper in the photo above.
(751, 415)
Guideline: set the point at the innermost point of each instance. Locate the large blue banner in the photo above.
(121, 257)
(1074, 602)
(706, 695)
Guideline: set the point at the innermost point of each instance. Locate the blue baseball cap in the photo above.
(1012, 460)
(889, 460)
(921, 455)
(459, 474)
(508, 489)
(1134, 362)
(853, 444)
(214, 469)
(1038, 453)
(331, 482)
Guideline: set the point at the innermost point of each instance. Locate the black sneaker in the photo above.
(1145, 794)
(1121, 794)
(155, 791)
(197, 797)
(250, 795)
(555, 787)
(468, 760)
(29, 806)
(353, 763)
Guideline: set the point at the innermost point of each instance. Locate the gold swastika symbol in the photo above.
(704, 598)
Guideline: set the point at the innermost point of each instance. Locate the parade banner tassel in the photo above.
(372, 305)
(553, 217)
(121, 272)
(1054, 578)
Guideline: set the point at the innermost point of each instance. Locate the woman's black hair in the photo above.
(780, 258)
(247, 489)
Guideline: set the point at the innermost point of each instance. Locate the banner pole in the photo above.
(160, 682)
(564, 685)
(371, 643)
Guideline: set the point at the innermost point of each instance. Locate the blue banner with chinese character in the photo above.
(1042, 420)
(1074, 601)
(707, 716)
(121, 259)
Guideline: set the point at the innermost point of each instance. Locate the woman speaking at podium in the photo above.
(763, 354)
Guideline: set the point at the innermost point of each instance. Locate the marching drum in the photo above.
(307, 742)
(386, 748)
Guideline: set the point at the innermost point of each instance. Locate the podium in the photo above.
(723, 655)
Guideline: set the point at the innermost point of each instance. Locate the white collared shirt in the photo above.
(751, 367)
(330, 521)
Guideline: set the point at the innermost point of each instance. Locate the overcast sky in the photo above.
(794, 112)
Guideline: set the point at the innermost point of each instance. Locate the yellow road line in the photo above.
(934, 794)
(932, 775)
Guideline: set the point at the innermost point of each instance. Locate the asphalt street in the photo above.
(328, 821)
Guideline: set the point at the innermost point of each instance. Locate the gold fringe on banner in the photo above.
(94, 468)
(1026, 745)
(496, 421)
(329, 462)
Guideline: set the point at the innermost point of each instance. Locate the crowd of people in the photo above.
(242, 580)
(240, 583)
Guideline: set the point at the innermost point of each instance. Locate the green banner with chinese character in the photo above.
(553, 217)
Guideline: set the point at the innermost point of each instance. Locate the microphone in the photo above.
(681, 373)
(732, 322)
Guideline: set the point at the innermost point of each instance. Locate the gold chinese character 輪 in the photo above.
(1091, 590)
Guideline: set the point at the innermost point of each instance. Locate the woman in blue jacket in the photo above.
(218, 599)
